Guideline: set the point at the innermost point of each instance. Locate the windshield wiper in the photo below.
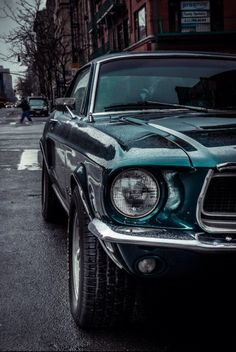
(128, 106)
(193, 107)
(180, 106)
(147, 104)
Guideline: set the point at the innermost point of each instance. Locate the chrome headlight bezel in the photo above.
(155, 193)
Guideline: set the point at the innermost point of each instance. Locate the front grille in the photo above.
(221, 195)
(218, 202)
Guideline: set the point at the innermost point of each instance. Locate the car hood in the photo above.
(180, 139)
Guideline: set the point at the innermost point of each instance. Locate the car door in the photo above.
(80, 91)
(57, 136)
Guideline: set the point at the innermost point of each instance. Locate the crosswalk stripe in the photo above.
(29, 160)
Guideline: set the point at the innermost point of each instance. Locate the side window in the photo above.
(79, 90)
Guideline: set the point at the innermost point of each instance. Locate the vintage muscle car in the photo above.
(141, 156)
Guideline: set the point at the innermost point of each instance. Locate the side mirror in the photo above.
(62, 104)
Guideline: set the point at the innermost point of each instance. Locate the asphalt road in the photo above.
(34, 311)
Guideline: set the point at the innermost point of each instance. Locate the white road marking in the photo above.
(29, 160)
(10, 149)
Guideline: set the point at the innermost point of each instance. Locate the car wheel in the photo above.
(52, 210)
(101, 294)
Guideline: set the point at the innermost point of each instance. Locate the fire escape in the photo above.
(74, 30)
(103, 20)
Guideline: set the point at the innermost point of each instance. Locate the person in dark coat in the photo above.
(24, 105)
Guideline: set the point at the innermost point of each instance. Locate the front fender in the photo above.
(79, 179)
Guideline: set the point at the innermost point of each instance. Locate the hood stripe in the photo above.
(202, 151)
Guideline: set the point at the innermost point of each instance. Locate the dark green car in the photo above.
(141, 155)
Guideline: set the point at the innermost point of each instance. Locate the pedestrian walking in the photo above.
(24, 105)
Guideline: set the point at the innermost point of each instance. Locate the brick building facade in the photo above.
(102, 26)
(162, 24)
(96, 27)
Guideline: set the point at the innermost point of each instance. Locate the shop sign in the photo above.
(194, 13)
(196, 20)
(195, 5)
(195, 16)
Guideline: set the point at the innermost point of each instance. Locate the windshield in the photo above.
(37, 102)
(199, 82)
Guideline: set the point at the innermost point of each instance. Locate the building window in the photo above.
(126, 32)
(140, 24)
(113, 40)
(120, 37)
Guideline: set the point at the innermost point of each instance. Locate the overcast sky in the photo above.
(5, 26)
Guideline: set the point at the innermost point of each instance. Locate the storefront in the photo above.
(198, 25)
(196, 16)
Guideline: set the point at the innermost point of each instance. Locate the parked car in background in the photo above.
(141, 155)
(9, 105)
(38, 106)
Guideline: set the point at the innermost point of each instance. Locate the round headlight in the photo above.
(135, 193)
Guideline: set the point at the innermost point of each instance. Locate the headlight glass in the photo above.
(135, 193)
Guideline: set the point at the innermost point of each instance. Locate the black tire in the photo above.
(101, 294)
(52, 210)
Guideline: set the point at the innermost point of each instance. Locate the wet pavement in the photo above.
(34, 310)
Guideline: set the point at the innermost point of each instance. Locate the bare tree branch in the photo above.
(34, 40)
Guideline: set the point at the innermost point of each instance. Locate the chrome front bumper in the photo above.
(188, 240)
